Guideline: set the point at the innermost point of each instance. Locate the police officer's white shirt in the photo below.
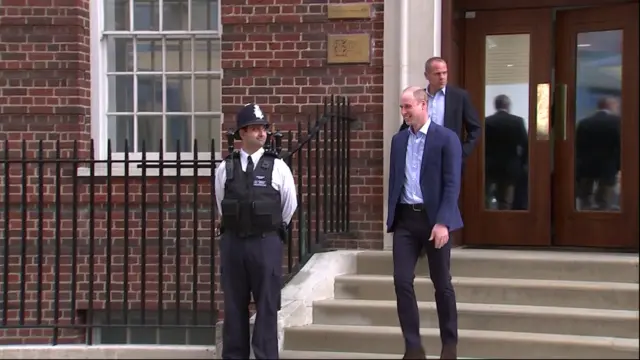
(281, 180)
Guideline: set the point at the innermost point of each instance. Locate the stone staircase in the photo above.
(511, 304)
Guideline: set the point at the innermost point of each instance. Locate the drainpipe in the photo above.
(404, 44)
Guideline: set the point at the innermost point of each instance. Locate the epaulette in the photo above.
(271, 153)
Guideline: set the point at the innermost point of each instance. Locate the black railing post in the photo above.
(160, 300)
(23, 234)
(92, 244)
(267, 143)
(58, 245)
(109, 239)
(325, 175)
(6, 165)
(143, 236)
(309, 204)
(212, 238)
(40, 240)
(318, 241)
(300, 211)
(348, 169)
(178, 232)
(230, 141)
(332, 162)
(194, 238)
(74, 231)
(125, 255)
(344, 123)
(277, 137)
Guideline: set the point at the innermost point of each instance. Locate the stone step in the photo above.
(517, 318)
(298, 354)
(519, 264)
(472, 343)
(579, 294)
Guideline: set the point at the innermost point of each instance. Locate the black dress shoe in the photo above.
(414, 354)
(449, 352)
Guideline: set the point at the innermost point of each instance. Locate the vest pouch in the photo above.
(263, 215)
(230, 213)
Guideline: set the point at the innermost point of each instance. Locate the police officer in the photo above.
(256, 197)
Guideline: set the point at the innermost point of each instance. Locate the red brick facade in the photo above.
(273, 53)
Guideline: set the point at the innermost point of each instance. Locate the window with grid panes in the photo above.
(162, 75)
(186, 329)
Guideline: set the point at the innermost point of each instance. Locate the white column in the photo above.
(411, 36)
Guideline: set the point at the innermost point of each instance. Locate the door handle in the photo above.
(542, 111)
(560, 107)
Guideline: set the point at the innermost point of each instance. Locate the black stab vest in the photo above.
(250, 207)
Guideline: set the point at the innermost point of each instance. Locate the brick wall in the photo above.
(44, 71)
(274, 53)
(44, 95)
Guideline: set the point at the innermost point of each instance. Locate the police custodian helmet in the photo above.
(250, 114)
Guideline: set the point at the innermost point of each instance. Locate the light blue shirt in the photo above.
(436, 105)
(411, 192)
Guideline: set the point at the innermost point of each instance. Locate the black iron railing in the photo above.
(123, 250)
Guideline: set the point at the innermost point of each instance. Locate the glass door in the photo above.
(507, 178)
(596, 117)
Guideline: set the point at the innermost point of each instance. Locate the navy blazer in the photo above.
(459, 114)
(439, 176)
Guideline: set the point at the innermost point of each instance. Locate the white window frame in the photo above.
(100, 92)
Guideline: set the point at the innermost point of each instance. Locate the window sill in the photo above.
(134, 171)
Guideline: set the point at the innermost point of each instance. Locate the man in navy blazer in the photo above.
(424, 185)
(450, 106)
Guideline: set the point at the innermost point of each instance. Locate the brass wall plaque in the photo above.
(348, 49)
(349, 11)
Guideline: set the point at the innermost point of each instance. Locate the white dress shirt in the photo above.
(281, 180)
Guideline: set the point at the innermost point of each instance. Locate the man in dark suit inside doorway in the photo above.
(506, 156)
(450, 106)
(598, 150)
(424, 185)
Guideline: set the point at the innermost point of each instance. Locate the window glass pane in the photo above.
(598, 119)
(206, 54)
(149, 54)
(179, 137)
(175, 15)
(150, 132)
(202, 336)
(146, 15)
(116, 15)
(506, 113)
(143, 336)
(208, 127)
(120, 93)
(180, 335)
(207, 90)
(178, 54)
(122, 58)
(121, 132)
(204, 15)
(149, 93)
(179, 95)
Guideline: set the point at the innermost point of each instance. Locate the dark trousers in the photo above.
(411, 234)
(250, 266)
